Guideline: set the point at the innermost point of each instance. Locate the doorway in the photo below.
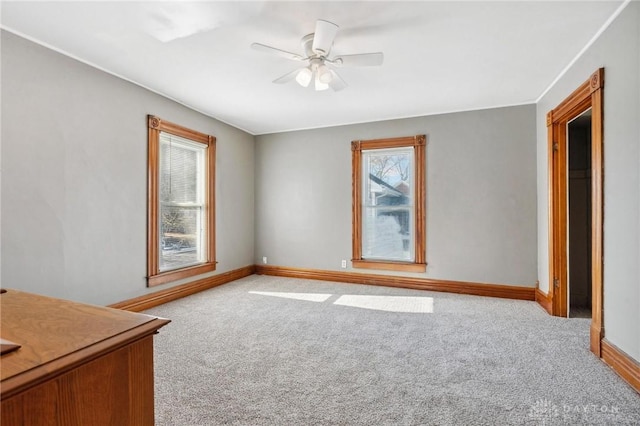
(579, 216)
(575, 162)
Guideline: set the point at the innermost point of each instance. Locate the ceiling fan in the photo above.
(317, 47)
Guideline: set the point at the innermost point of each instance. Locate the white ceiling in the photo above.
(439, 56)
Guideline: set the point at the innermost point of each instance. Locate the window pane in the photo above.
(387, 233)
(387, 198)
(387, 177)
(181, 212)
(180, 237)
(180, 170)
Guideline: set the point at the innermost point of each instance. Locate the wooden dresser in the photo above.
(77, 365)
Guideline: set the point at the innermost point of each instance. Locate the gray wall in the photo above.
(74, 162)
(617, 50)
(481, 194)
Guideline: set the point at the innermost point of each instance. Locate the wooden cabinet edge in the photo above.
(12, 386)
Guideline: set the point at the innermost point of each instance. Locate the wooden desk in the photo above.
(78, 365)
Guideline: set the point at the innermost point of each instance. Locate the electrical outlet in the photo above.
(264, 259)
(344, 263)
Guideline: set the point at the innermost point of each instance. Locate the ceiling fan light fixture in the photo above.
(304, 77)
(319, 85)
(324, 74)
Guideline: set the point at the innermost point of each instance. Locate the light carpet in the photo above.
(278, 351)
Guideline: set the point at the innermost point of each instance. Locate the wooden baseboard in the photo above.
(623, 364)
(545, 301)
(158, 298)
(461, 287)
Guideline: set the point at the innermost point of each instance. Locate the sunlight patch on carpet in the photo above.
(421, 305)
(309, 297)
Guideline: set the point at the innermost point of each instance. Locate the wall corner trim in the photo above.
(157, 298)
(621, 363)
(431, 284)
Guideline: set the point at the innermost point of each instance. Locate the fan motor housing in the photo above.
(307, 46)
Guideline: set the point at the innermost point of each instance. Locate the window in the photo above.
(181, 214)
(388, 204)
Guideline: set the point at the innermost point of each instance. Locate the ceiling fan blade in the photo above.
(287, 77)
(337, 83)
(283, 53)
(359, 60)
(323, 37)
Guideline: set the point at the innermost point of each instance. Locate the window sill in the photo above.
(179, 274)
(390, 266)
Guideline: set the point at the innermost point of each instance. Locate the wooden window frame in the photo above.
(418, 143)
(154, 276)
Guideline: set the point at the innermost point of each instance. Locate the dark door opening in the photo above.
(579, 216)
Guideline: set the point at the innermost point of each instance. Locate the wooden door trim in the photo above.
(597, 211)
(558, 268)
(588, 95)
